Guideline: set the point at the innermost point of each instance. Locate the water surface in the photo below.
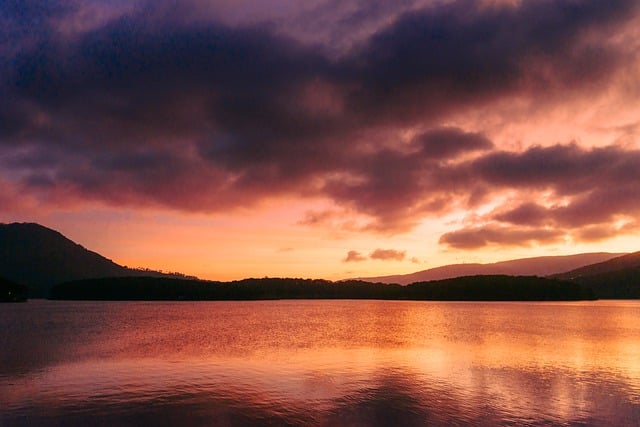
(335, 363)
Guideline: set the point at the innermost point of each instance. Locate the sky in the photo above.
(324, 138)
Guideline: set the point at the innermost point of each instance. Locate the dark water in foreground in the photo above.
(331, 363)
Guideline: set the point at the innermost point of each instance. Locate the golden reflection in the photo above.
(516, 362)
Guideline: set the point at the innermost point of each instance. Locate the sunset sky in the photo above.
(322, 138)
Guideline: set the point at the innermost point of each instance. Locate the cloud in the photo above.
(479, 237)
(461, 52)
(444, 143)
(562, 167)
(595, 233)
(354, 256)
(398, 187)
(378, 254)
(186, 108)
(589, 186)
(585, 191)
(388, 255)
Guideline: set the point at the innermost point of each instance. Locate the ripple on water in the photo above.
(320, 363)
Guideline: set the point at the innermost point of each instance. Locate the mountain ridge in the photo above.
(40, 257)
(626, 261)
(535, 266)
(617, 278)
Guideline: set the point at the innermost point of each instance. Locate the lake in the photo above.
(326, 363)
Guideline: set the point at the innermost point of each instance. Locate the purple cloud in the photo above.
(179, 108)
(587, 191)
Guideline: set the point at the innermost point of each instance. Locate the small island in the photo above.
(470, 288)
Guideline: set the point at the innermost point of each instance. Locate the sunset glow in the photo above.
(233, 139)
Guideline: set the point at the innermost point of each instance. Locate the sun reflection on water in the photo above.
(320, 363)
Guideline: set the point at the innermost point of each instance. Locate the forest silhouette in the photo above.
(472, 288)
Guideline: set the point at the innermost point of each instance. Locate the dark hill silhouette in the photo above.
(618, 278)
(476, 288)
(627, 261)
(12, 292)
(40, 257)
(537, 266)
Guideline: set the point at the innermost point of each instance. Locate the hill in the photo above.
(476, 288)
(12, 292)
(628, 261)
(618, 278)
(537, 266)
(40, 258)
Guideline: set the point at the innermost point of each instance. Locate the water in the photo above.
(328, 363)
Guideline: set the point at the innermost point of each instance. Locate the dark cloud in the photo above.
(562, 167)
(388, 255)
(456, 54)
(586, 192)
(591, 186)
(596, 206)
(444, 143)
(163, 106)
(397, 188)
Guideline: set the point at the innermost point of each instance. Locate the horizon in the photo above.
(585, 263)
(227, 140)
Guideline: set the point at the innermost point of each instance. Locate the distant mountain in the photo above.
(538, 266)
(39, 258)
(617, 278)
